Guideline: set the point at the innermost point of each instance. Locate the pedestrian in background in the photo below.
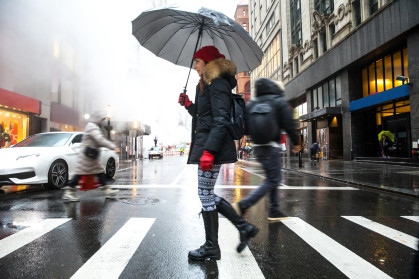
(385, 146)
(212, 146)
(314, 149)
(6, 138)
(88, 158)
(271, 94)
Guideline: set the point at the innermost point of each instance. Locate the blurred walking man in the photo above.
(268, 114)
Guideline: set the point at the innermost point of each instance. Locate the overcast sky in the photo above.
(152, 97)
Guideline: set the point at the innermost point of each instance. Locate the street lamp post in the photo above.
(108, 116)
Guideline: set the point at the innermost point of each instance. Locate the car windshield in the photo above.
(45, 140)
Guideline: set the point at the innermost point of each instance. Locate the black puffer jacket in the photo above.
(210, 114)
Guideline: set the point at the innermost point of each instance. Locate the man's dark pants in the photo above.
(270, 158)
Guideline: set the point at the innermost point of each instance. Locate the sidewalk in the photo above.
(398, 178)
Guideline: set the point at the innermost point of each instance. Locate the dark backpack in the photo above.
(237, 127)
(261, 121)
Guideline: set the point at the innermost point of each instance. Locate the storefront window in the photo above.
(320, 96)
(338, 92)
(388, 73)
(383, 77)
(405, 63)
(14, 124)
(380, 75)
(332, 92)
(397, 64)
(365, 91)
(325, 95)
(371, 74)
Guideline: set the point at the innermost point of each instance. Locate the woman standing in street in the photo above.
(212, 146)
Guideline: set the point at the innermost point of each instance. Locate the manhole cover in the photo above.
(139, 200)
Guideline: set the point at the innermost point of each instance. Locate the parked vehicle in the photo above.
(155, 152)
(48, 159)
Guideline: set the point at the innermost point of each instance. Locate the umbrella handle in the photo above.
(182, 102)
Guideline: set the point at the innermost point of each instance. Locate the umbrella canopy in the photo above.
(387, 134)
(176, 35)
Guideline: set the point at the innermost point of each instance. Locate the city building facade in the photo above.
(241, 16)
(349, 69)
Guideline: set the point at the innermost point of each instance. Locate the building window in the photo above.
(244, 12)
(270, 24)
(297, 70)
(316, 48)
(381, 74)
(268, 4)
(302, 109)
(244, 26)
(356, 8)
(327, 94)
(324, 6)
(373, 6)
(296, 33)
(323, 40)
(247, 87)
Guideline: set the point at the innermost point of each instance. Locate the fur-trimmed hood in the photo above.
(219, 68)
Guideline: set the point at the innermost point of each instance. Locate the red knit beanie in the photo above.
(208, 53)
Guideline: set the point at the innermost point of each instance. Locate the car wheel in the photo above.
(57, 175)
(110, 168)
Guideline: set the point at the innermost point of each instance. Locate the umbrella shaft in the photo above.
(196, 46)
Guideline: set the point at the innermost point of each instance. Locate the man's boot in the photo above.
(70, 194)
(210, 249)
(246, 230)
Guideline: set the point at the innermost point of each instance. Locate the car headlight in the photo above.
(28, 156)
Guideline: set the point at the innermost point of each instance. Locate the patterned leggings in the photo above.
(206, 182)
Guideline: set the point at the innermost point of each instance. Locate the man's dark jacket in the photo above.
(267, 90)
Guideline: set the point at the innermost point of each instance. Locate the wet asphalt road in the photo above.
(335, 231)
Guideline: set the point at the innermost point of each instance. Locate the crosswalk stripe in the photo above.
(20, 239)
(177, 186)
(393, 234)
(111, 259)
(233, 264)
(412, 218)
(344, 259)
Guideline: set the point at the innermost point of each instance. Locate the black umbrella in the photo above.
(176, 35)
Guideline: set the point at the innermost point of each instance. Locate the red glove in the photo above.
(186, 102)
(207, 161)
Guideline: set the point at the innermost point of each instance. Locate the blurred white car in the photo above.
(155, 152)
(48, 159)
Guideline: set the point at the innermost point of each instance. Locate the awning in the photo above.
(378, 98)
(321, 112)
(64, 115)
(13, 100)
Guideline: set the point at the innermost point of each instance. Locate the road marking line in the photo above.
(178, 177)
(412, 218)
(233, 187)
(20, 239)
(393, 234)
(111, 259)
(233, 264)
(344, 259)
(253, 172)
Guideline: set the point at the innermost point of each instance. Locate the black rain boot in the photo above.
(210, 249)
(246, 230)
